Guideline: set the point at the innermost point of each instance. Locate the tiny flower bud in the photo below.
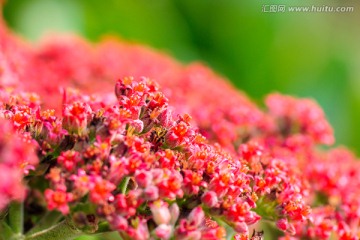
(123, 87)
(174, 212)
(282, 224)
(252, 218)
(197, 216)
(209, 199)
(143, 178)
(241, 228)
(194, 235)
(163, 231)
(76, 117)
(151, 193)
(291, 229)
(161, 213)
(165, 118)
(119, 223)
(138, 125)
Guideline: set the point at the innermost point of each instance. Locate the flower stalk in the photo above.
(16, 217)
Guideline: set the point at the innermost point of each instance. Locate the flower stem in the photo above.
(65, 230)
(16, 217)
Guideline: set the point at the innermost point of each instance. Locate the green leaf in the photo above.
(65, 230)
(6, 232)
(123, 185)
(48, 220)
(4, 213)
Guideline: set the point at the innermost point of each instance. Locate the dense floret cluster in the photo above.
(184, 156)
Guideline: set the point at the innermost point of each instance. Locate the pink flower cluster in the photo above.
(17, 150)
(138, 163)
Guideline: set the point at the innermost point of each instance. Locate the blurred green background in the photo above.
(313, 55)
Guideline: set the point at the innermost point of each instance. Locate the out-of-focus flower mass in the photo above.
(117, 134)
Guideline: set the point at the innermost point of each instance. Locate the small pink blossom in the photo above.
(209, 199)
(160, 212)
(58, 199)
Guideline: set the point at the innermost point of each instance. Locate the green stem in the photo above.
(16, 217)
(64, 230)
(230, 232)
(48, 220)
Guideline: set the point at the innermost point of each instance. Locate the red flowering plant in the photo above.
(77, 158)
